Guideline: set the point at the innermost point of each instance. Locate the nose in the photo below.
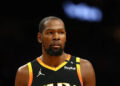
(56, 36)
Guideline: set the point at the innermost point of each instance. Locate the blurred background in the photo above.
(93, 33)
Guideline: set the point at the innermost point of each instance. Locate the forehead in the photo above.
(54, 24)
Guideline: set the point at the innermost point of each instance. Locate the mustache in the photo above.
(56, 43)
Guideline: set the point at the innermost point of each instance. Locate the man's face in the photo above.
(54, 37)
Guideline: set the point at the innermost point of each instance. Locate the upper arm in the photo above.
(22, 76)
(88, 73)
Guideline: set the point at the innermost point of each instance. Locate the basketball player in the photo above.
(55, 67)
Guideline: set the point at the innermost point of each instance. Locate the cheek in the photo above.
(63, 40)
(46, 41)
(64, 37)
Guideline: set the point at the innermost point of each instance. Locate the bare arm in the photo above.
(88, 73)
(22, 76)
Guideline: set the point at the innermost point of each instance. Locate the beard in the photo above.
(53, 52)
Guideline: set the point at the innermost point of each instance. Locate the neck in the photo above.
(53, 61)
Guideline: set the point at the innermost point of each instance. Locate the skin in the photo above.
(54, 33)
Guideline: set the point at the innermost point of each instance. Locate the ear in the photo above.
(39, 37)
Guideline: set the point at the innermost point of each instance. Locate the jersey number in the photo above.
(60, 84)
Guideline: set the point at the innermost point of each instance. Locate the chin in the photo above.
(55, 52)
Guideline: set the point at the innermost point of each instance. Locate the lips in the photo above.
(56, 45)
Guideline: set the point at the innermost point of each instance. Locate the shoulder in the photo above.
(86, 63)
(87, 71)
(23, 70)
(83, 62)
(22, 76)
(86, 66)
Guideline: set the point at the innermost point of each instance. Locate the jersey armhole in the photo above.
(30, 74)
(78, 70)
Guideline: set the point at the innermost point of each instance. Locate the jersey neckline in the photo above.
(54, 68)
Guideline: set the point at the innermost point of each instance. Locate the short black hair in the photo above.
(41, 24)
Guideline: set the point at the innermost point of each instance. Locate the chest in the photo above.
(64, 75)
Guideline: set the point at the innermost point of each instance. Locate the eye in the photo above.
(50, 32)
(61, 32)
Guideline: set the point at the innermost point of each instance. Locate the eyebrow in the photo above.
(48, 29)
(52, 29)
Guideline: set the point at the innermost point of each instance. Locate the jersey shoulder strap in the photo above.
(30, 73)
(79, 70)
